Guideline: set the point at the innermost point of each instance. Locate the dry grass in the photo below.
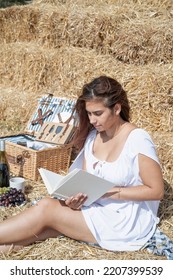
(56, 46)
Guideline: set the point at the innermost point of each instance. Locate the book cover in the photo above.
(76, 181)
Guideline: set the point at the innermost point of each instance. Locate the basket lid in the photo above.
(51, 109)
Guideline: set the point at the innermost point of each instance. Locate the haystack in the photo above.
(63, 71)
(55, 47)
(109, 29)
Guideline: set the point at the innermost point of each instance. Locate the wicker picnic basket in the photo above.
(25, 161)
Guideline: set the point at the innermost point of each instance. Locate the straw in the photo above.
(55, 47)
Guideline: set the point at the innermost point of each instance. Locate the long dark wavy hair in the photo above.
(104, 89)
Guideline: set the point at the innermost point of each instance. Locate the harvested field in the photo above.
(54, 47)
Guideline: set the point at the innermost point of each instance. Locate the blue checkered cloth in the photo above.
(160, 244)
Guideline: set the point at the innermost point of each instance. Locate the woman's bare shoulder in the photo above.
(130, 127)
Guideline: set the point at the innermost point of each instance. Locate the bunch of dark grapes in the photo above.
(12, 197)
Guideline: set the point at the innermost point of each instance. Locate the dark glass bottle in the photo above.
(4, 166)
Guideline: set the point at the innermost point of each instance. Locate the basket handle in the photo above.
(20, 159)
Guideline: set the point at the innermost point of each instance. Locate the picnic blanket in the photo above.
(160, 244)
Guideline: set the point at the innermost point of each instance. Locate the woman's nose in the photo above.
(92, 119)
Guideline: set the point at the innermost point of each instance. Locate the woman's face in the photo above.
(101, 117)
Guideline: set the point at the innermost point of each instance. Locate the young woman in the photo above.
(110, 147)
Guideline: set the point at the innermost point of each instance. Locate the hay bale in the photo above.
(63, 71)
(15, 110)
(129, 36)
(144, 42)
(166, 5)
(19, 23)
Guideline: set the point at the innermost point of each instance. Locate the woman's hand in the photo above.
(77, 201)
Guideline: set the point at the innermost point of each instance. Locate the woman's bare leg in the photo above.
(36, 222)
(48, 233)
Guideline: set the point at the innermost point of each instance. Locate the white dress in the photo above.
(120, 225)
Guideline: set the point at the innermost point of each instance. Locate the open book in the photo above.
(77, 181)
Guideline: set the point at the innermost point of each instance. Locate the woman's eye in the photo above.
(98, 113)
(94, 113)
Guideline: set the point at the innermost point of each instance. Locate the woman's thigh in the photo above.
(67, 221)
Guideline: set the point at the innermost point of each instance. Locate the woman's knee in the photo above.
(47, 205)
(46, 208)
(41, 208)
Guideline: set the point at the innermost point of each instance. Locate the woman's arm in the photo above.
(152, 188)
